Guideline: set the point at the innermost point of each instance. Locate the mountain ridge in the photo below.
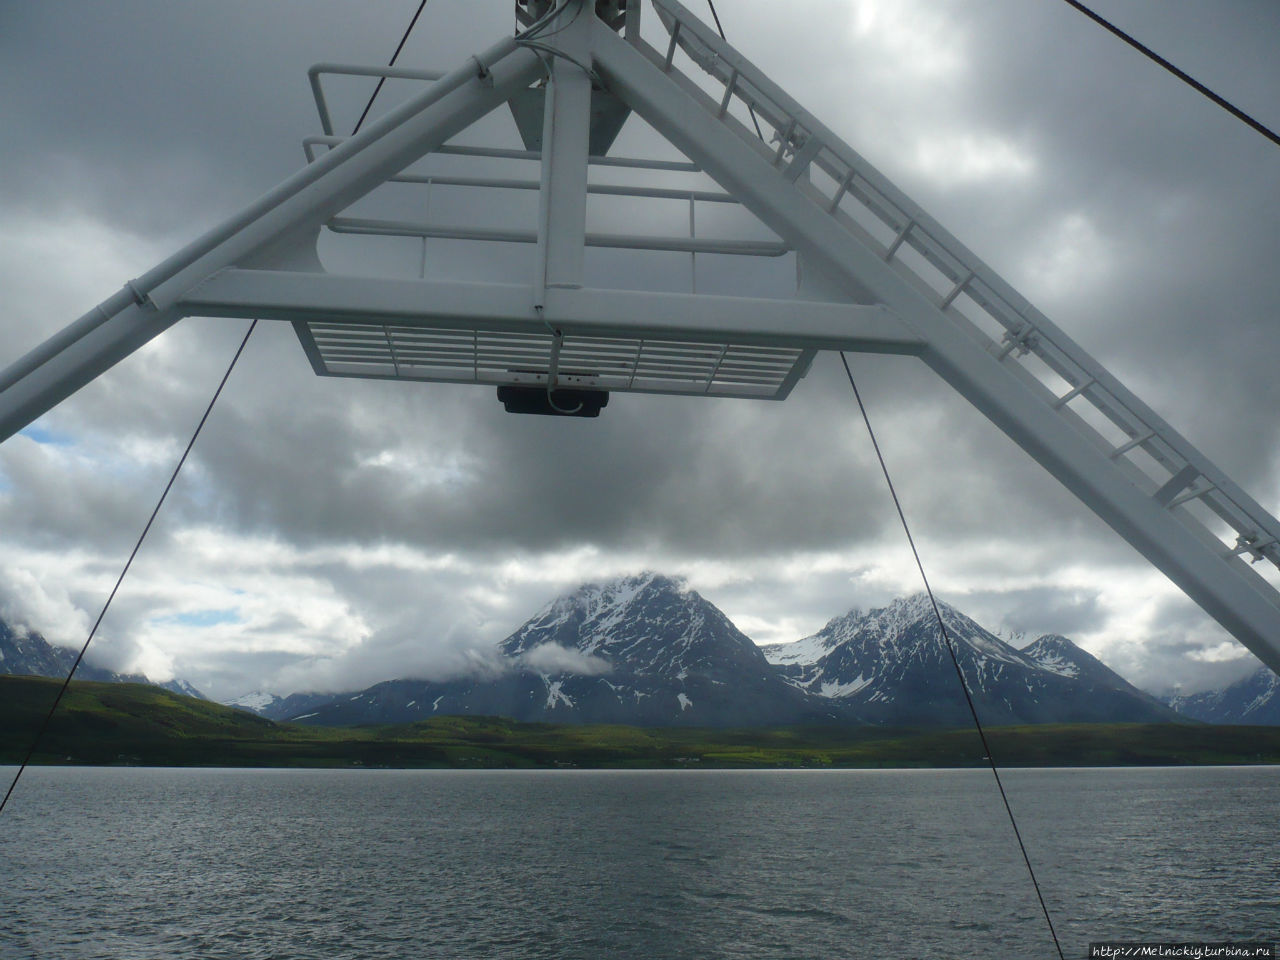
(892, 666)
(30, 654)
(1255, 699)
(646, 650)
(642, 650)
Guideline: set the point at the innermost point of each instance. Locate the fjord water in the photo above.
(199, 863)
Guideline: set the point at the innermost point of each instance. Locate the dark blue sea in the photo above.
(130, 863)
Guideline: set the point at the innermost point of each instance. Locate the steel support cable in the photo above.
(955, 661)
(1181, 75)
(35, 741)
(395, 56)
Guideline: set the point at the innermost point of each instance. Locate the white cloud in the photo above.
(1071, 254)
(913, 40)
(32, 598)
(54, 268)
(553, 658)
(967, 158)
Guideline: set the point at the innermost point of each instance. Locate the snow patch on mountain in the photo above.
(257, 701)
(846, 689)
(555, 695)
(1055, 653)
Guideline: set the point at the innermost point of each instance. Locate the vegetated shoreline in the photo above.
(112, 724)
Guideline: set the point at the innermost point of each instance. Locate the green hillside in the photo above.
(112, 723)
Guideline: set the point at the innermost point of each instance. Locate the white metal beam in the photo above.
(701, 318)
(566, 130)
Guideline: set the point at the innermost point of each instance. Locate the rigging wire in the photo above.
(1184, 77)
(955, 661)
(395, 56)
(35, 741)
(720, 30)
(942, 627)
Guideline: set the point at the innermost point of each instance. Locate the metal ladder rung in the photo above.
(1193, 494)
(956, 291)
(900, 239)
(1066, 398)
(728, 94)
(1136, 441)
(671, 47)
(845, 183)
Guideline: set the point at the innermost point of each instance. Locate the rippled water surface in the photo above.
(140, 863)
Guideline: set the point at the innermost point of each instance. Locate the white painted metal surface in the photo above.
(855, 233)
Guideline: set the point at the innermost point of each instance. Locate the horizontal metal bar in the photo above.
(1193, 494)
(608, 189)
(1136, 441)
(399, 228)
(354, 70)
(504, 153)
(322, 299)
(367, 70)
(1067, 397)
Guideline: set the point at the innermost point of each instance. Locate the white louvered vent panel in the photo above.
(499, 357)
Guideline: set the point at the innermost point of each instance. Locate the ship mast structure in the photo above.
(876, 274)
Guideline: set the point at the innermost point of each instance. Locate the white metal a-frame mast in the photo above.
(881, 276)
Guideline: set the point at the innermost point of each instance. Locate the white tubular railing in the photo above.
(837, 179)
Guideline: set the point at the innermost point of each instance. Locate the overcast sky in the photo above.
(327, 534)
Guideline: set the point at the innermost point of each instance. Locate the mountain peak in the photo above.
(1051, 641)
(1056, 653)
(646, 623)
(619, 591)
(915, 605)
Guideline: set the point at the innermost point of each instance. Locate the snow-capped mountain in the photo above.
(891, 666)
(637, 650)
(1061, 656)
(1253, 700)
(33, 656)
(647, 625)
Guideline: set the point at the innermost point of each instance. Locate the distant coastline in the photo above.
(135, 724)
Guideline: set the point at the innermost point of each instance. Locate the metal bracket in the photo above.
(482, 72)
(140, 298)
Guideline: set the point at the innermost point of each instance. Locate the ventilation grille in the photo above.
(606, 363)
